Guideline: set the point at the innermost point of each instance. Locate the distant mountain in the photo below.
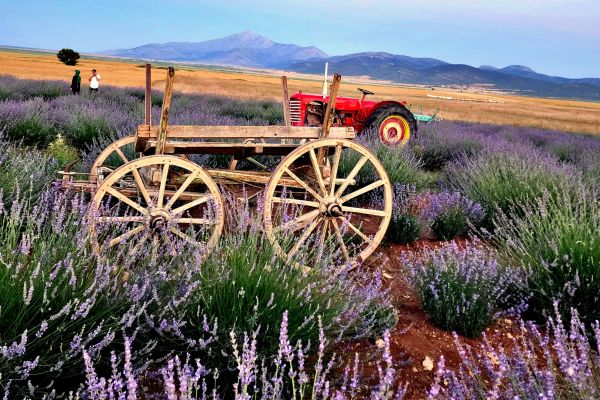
(245, 49)
(248, 49)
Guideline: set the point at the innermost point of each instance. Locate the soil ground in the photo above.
(415, 338)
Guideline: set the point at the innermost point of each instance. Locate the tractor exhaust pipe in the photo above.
(325, 81)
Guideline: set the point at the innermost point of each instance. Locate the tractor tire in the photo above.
(395, 125)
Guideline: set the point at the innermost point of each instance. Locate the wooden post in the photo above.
(286, 101)
(286, 106)
(147, 97)
(164, 118)
(328, 117)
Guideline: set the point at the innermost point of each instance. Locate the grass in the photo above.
(508, 109)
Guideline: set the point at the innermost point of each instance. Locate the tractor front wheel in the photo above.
(395, 125)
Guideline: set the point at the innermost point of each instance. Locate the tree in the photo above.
(68, 56)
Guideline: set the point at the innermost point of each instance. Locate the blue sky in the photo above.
(556, 37)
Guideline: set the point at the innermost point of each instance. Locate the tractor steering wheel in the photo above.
(365, 92)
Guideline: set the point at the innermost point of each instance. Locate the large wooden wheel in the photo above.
(329, 208)
(162, 199)
(114, 155)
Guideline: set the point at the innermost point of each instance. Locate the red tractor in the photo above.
(394, 123)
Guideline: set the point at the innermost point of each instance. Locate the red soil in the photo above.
(415, 338)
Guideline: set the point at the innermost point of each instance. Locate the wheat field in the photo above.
(494, 108)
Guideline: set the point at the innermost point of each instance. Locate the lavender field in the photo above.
(489, 222)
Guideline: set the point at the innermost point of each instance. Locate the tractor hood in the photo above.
(341, 103)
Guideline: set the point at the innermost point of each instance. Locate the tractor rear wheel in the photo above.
(395, 125)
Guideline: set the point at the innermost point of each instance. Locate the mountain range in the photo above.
(248, 49)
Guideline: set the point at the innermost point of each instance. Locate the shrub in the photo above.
(55, 298)
(499, 178)
(246, 286)
(556, 241)
(559, 364)
(449, 214)
(405, 227)
(460, 289)
(400, 163)
(441, 143)
(23, 173)
(28, 122)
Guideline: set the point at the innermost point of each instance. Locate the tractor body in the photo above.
(392, 120)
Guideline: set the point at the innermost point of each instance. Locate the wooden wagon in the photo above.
(326, 191)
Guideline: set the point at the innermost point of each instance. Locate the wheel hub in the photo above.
(158, 220)
(331, 207)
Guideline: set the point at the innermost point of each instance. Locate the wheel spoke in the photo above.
(351, 176)
(120, 153)
(184, 236)
(322, 236)
(139, 244)
(367, 211)
(109, 220)
(356, 230)
(334, 168)
(366, 189)
(304, 185)
(315, 164)
(141, 186)
(340, 240)
(200, 200)
(303, 238)
(126, 235)
(181, 189)
(163, 183)
(288, 200)
(197, 221)
(296, 221)
(115, 193)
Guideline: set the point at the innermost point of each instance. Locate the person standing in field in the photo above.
(94, 81)
(76, 82)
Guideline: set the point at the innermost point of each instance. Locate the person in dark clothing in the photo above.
(76, 82)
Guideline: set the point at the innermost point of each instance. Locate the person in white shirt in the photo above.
(94, 81)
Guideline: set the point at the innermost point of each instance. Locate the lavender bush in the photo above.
(440, 143)
(503, 176)
(558, 364)
(460, 288)
(28, 122)
(23, 173)
(450, 213)
(556, 241)
(405, 225)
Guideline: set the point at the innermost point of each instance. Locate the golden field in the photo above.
(494, 108)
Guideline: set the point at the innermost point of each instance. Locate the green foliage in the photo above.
(500, 179)
(459, 288)
(62, 152)
(23, 171)
(556, 241)
(68, 56)
(28, 123)
(404, 228)
(246, 287)
(450, 223)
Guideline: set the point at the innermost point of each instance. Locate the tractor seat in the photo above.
(365, 92)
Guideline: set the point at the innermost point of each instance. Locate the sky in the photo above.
(555, 37)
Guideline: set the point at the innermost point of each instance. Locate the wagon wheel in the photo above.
(328, 209)
(116, 154)
(162, 199)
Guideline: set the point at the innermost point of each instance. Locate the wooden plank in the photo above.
(286, 101)
(148, 96)
(328, 117)
(166, 105)
(145, 132)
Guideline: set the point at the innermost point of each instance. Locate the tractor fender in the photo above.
(389, 103)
